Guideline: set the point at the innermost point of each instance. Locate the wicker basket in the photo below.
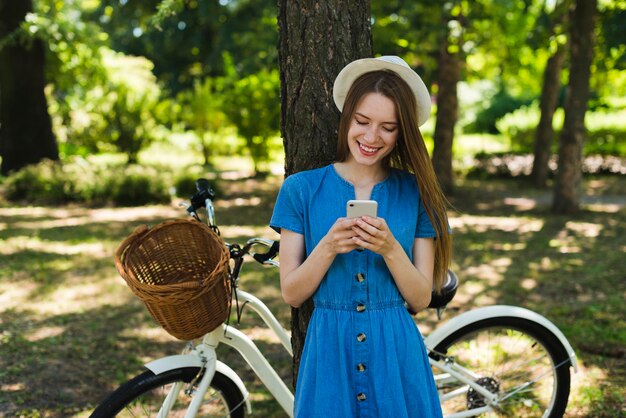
(179, 269)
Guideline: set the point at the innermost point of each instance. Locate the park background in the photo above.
(141, 97)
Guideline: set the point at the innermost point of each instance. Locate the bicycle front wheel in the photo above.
(520, 360)
(144, 395)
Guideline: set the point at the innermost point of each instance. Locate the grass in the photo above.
(70, 330)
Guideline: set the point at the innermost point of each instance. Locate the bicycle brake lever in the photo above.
(271, 253)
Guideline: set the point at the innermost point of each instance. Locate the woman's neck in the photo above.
(362, 177)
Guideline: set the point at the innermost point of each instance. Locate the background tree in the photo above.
(201, 111)
(569, 175)
(252, 103)
(189, 41)
(26, 135)
(316, 39)
(554, 24)
(449, 62)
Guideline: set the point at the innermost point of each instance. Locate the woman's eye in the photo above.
(359, 122)
(389, 129)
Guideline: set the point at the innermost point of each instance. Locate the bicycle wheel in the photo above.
(143, 396)
(519, 359)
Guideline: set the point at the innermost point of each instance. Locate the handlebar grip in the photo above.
(203, 193)
(271, 253)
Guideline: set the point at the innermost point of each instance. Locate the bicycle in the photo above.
(497, 360)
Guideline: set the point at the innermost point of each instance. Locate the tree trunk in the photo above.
(317, 38)
(569, 175)
(448, 74)
(26, 135)
(547, 106)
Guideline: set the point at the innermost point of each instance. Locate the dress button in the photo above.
(360, 367)
(361, 337)
(360, 307)
(361, 396)
(360, 277)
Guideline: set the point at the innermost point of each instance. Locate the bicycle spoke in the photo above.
(511, 363)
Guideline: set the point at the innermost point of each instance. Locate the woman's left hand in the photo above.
(374, 235)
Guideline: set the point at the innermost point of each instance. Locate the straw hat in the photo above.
(393, 63)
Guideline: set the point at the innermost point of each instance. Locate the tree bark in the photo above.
(547, 105)
(448, 74)
(567, 189)
(26, 135)
(317, 38)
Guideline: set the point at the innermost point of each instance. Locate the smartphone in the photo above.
(358, 208)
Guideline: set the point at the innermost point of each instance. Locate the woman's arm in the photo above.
(300, 276)
(414, 280)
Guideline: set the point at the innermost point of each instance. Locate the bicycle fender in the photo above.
(174, 362)
(474, 315)
(230, 373)
(190, 360)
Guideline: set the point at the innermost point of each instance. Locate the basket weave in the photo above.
(179, 269)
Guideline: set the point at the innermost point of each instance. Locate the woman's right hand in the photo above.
(338, 239)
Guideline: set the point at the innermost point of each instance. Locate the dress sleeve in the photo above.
(424, 228)
(288, 210)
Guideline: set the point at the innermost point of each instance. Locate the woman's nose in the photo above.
(370, 134)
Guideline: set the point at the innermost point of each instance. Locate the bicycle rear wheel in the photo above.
(520, 360)
(143, 396)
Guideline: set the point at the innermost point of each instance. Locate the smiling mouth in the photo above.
(366, 149)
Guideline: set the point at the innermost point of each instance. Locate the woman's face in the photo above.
(373, 130)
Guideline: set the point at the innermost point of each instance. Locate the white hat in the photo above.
(355, 69)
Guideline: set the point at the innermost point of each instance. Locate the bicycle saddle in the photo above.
(448, 290)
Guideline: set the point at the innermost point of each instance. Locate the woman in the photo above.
(363, 355)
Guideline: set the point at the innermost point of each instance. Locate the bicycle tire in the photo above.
(490, 349)
(136, 395)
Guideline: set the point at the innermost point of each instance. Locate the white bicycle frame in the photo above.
(204, 356)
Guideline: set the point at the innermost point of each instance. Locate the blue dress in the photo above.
(363, 355)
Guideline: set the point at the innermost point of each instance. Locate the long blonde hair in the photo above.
(410, 154)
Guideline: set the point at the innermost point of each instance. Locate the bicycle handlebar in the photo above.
(267, 258)
(199, 199)
(203, 198)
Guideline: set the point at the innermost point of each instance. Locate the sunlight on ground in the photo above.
(584, 389)
(66, 299)
(93, 250)
(262, 334)
(152, 333)
(507, 224)
(585, 229)
(44, 332)
(243, 231)
(225, 204)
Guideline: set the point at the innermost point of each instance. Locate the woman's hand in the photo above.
(339, 239)
(374, 235)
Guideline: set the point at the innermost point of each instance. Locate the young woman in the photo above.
(363, 354)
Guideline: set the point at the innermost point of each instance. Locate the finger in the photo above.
(378, 223)
(343, 235)
(361, 243)
(368, 228)
(344, 223)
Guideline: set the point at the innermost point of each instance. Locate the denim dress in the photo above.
(363, 355)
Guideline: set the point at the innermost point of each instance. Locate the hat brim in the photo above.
(355, 69)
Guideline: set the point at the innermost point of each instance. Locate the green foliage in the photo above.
(201, 110)
(138, 185)
(119, 113)
(54, 183)
(605, 130)
(252, 103)
(46, 182)
(186, 39)
(130, 105)
(498, 106)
